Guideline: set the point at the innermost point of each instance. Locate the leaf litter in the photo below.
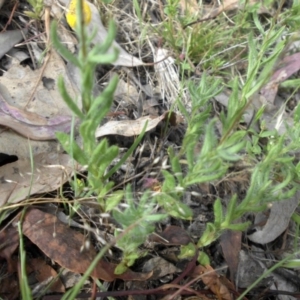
(42, 117)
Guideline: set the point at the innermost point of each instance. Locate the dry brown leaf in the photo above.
(9, 241)
(16, 87)
(278, 220)
(18, 180)
(9, 287)
(134, 127)
(172, 235)
(18, 83)
(43, 272)
(65, 246)
(160, 267)
(31, 125)
(231, 242)
(212, 280)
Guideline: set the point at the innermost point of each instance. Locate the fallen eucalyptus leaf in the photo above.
(277, 222)
(66, 247)
(18, 180)
(32, 125)
(133, 127)
(10, 38)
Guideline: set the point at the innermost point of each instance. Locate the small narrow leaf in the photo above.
(68, 99)
(72, 148)
(218, 213)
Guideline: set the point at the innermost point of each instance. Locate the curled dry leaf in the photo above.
(134, 127)
(10, 38)
(212, 280)
(277, 222)
(42, 119)
(64, 245)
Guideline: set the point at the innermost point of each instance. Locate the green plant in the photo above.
(37, 6)
(203, 158)
(142, 215)
(96, 156)
(274, 174)
(24, 286)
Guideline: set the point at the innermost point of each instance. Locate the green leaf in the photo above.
(209, 139)
(87, 130)
(72, 148)
(209, 235)
(109, 40)
(113, 200)
(218, 213)
(67, 55)
(187, 251)
(175, 208)
(120, 269)
(104, 58)
(103, 156)
(169, 183)
(252, 59)
(101, 105)
(127, 154)
(292, 264)
(68, 99)
(296, 218)
(176, 167)
(238, 227)
(203, 259)
(229, 217)
(155, 218)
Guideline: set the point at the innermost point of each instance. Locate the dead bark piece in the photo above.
(65, 246)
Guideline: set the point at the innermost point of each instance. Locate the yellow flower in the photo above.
(71, 13)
